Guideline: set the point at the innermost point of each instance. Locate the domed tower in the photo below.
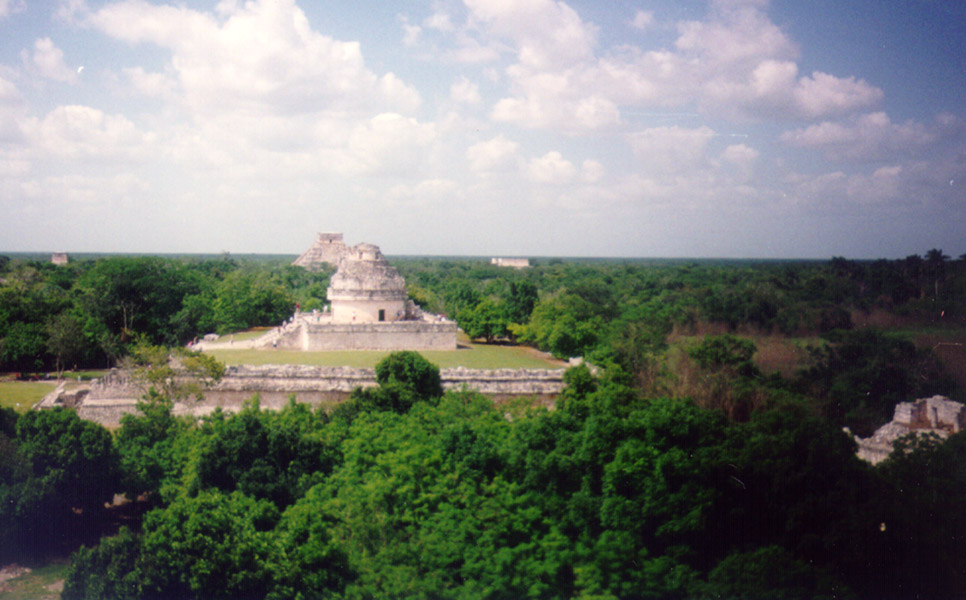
(366, 289)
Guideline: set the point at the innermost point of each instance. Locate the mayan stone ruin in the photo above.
(369, 307)
(327, 249)
(937, 415)
(107, 399)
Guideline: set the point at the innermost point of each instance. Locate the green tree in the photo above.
(72, 458)
(311, 563)
(264, 454)
(58, 471)
(65, 340)
(861, 375)
(246, 299)
(521, 298)
(927, 529)
(23, 347)
(411, 371)
(106, 571)
(485, 320)
(766, 573)
(212, 545)
(125, 296)
(148, 446)
(936, 267)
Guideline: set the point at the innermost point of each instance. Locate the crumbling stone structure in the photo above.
(327, 249)
(937, 415)
(106, 400)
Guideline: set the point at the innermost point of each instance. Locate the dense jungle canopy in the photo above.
(684, 467)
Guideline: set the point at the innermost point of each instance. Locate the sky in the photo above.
(626, 128)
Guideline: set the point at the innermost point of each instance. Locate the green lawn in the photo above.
(475, 356)
(21, 395)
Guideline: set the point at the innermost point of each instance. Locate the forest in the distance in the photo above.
(705, 458)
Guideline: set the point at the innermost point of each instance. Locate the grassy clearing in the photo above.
(774, 352)
(42, 583)
(474, 356)
(21, 395)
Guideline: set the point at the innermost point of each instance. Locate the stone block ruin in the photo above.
(327, 249)
(107, 399)
(937, 415)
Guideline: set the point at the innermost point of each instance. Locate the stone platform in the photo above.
(107, 399)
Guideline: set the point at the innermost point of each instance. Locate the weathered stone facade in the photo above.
(399, 335)
(937, 415)
(107, 399)
(327, 249)
(366, 289)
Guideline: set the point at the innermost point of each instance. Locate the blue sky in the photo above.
(741, 128)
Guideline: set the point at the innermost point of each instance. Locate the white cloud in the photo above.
(262, 57)
(465, 91)
(158, 85)
(12, 112)
(8, 7)
(823, 94)
(591, 171)
(870, 136)
(908, 188)
(740, 154)
(411, 35)
(82, 132)
(547, 33)
(497, 154)
(736, 33)
(742, 159)
(48, 60)
(439, 21)
(69, 11)
(642, 19)
(552, 167)
(391, 143)
(736, 63)
(84, 191)
(469, 50)
(665, 151)
(426, 193)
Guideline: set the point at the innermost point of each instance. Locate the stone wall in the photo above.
(117, 394)
(399, 335)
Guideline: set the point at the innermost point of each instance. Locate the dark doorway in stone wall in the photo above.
(382, 314)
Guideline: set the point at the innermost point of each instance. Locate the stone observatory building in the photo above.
(366, 289)
(369, 308)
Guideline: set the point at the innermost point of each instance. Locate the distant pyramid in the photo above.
(328, 248)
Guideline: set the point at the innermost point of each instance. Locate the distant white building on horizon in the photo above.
(516, 263)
